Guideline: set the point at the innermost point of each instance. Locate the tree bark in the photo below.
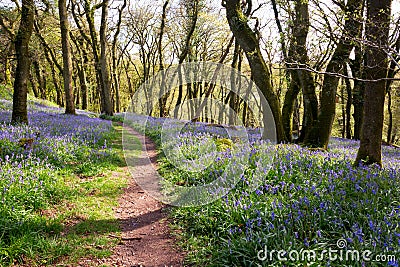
(342, 104)
(320, 133)
(162, 102)
(102, 82)
(33, 84)
(82, 77)
(105, 75)
(66, 55)
(377, 32)
(358, 91)
(299, 79)
(390, 112)
(349, 103)
(81, 64)
(20, 110)
(393, 70)
(114, 58)
(232, 97)
(39, 78)
(59, 94)
(249, 42)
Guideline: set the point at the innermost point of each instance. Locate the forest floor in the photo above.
(70, 200)
(146, 238)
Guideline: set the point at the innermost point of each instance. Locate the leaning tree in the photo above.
(20, 110)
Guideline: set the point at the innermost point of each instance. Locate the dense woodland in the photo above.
(325, 67)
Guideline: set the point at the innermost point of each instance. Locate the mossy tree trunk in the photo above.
(320, 133)
(107, 108)
(300, 80)
(20, 110)
(377, 32)
(249, 42)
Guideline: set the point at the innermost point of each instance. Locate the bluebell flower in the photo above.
(319, 233)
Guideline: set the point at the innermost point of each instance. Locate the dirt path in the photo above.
(146, 237)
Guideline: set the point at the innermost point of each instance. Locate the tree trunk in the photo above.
(349, 103)
(288, 104)
(180, 93)
(358, 92)
(7, 68)
(83, 84)
(342, 103)
(114, 58)
(250, 44)
(320, 133)
(377, 32)
(162, 102)
(393, 70)
(81, 63)
(390, 111)
(33, 85)
(300, 80)
(108, 107)
(77, 93)
(66, 55)
(296, 119)
(59, 95)
(39, 78)
(93, 41)
(310, 103)
(232, 97)
(186, 48)
(297, 57)
(357, 68)
(20, 110)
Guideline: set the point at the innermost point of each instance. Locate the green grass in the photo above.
(115, 118)
(89, 210)
(78, 220)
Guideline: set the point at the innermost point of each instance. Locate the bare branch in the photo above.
(334, 74)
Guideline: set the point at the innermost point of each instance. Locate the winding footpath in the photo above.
(146, 237)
